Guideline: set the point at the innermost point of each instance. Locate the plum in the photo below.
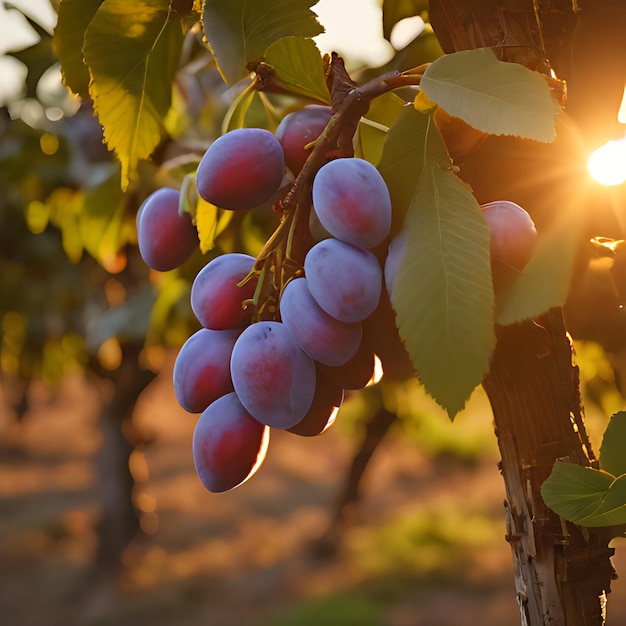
(202, 368)
(513, 240)
(352, 202)
(166, 238)
(322, 337)
(272, 376)
(345, 280)
(298, 129)
(228, 445)
(324, 408)
(241, 169)
(355, 373)
(216, 298)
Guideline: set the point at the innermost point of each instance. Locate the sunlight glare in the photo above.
(607, 164)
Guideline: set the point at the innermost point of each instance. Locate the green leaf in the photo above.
(370, 139)
(396, 10)
(545, 281)
(239, 31)
(585, 496)
(299, 67)
(374, 126)
(384, 109)
(442, 292)
(65, 206)
(68, 40)
(612, 457)
(102, 220)
(236, 115)
(403, 158)
(132, 51)
(493, 96)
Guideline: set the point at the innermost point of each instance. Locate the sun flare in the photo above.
(607, 164)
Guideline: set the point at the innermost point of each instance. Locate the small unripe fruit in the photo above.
(513, 239)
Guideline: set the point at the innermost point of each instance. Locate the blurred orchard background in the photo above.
(102, 518)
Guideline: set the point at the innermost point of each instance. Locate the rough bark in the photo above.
(562, 572)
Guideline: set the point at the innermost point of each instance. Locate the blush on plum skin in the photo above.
(216, 298)
(352, 201)
(228, 445)
(201, 370)
(166, 239)
(273, 377)
(345, 280)
(298, 129)
(241, 169)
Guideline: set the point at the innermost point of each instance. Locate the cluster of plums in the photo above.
(246, 376)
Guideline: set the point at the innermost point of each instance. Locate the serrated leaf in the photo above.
(239, 31)
(403, 158)
(68, 40)
(585, 496)
(493, 96)
(132, 52)
(545, 281)
(299, 68)
(612, 457)
(396, 10)
(442, 292)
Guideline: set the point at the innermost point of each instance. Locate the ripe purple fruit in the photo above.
(166, 238)
(241, 169)
(324, 338)
(355, 373)
(513, 239)
(216, 299)
(352, 202)
(273, 377)
(299, 129)
(202, 370)
(324, 408)
(228, 444)
(345, 280)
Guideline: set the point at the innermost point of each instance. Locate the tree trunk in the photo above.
(119, 521)
(562, 572)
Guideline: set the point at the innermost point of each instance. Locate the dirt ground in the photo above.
(427, 547)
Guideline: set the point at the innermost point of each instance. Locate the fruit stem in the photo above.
(294, 208)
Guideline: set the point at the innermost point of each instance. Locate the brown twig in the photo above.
(294, 208)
